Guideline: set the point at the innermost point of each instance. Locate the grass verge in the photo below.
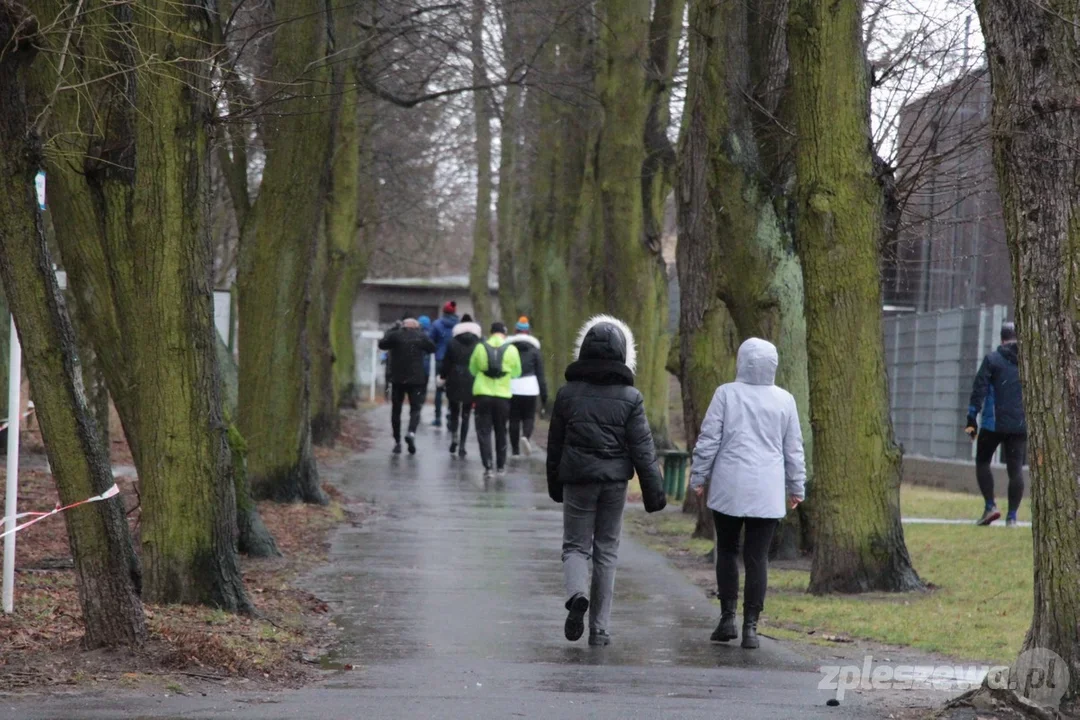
(979, 606)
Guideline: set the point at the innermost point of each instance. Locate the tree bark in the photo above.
(253, 538)
(132, 221)
(325, 421)
(277, 254)
(563, 265)
(481, 257)
(510, 245)
(634, 279)
(739, 275)
(858, 539)
(1032, 53)
(106, 567)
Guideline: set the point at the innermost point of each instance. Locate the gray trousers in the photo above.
(592, 524)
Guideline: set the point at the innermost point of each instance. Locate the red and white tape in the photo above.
(39, 516)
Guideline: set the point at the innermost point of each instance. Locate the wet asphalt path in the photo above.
(452, 607)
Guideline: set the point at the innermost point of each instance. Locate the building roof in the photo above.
(444, 282)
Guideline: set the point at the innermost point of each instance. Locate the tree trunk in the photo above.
(562, 268)
(277, 253)
(739, 276)
(1032, 53)
(253, 537)
(481, 258)
(858, 539)
(325, 421)
(510, 247)
(634, 279)
(132, 222)
(106, 568)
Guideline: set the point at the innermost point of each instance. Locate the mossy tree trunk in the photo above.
(323, 410)
(277, 254)
(1032, 53)
(562, 280)
(481, 257)
(253, 537)
(739, 275)
(632, 272)
(131, 216)
(858, 538)
(340, 251)
(106, 567)
(510, 245)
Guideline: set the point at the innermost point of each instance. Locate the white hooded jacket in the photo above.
(750, 443)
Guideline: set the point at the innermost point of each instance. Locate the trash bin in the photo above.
(674, 462)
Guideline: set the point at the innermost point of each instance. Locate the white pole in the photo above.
(11, 497)
(374, 366)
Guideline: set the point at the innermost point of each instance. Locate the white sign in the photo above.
(39, 185)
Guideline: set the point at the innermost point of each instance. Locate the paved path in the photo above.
(451, 601)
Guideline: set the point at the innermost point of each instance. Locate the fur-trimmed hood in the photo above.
(529, 339)
(606, 338)
(468, 327)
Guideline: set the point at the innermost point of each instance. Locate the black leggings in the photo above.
(458, 412)
(1015, 450)
(759, 533)
(522, 420)
(416, 394)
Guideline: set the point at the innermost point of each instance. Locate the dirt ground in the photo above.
(191, 649)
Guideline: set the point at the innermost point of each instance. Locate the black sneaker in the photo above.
(599, 638)
(988, 517)
(410, 440)
(436, 422)
(575, 620)
(397, 448)
(461, 453)
(453, 448)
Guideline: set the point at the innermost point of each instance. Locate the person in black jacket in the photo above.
(997, 393)
(527, 389)
(599, 438)
(458, 381)
(408, 347)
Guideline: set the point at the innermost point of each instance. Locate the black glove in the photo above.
(972, 428)
(555, 492)
(655, 502)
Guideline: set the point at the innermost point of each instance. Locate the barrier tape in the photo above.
(7, 423)
(39, 516)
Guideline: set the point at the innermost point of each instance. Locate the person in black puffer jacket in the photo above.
(408, 347)
(599, 438)
(454, 374)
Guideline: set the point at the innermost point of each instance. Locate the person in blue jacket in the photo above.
(442, 330)
(425, 327)
(997, 394)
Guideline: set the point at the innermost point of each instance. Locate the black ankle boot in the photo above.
(749, 628)
(726, 629)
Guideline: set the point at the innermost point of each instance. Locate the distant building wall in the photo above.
(950, 251)
(383, 301)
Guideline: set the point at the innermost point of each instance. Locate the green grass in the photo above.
(979, 608)
(926, 502)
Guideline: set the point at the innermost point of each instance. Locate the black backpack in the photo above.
(495, 360)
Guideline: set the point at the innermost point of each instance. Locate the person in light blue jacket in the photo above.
(750, 451)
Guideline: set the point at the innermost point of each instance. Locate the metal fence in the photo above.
(931, 360)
